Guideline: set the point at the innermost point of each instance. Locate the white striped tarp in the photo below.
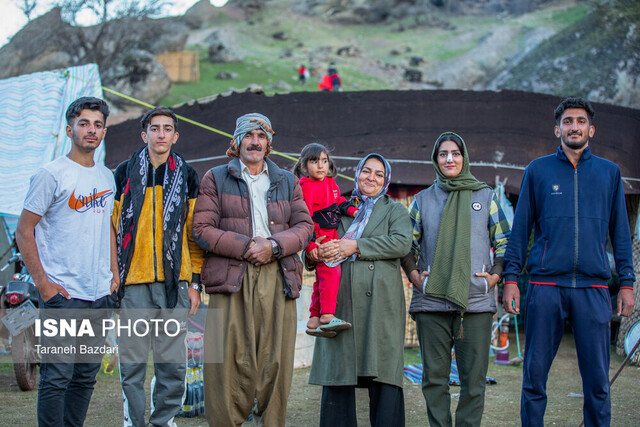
(32, 125)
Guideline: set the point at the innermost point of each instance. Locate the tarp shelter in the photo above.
(32, 120)
(504, 131)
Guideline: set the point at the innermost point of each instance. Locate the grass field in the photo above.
(501, 406)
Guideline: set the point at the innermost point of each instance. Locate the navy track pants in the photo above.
(588, 310)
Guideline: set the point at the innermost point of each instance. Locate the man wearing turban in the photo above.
(251, 219)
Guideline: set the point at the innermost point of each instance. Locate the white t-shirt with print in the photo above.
(73, 235)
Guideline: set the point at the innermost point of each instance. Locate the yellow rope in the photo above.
(193, 122)
(121, 95)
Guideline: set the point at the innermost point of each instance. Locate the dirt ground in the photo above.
(501, 406)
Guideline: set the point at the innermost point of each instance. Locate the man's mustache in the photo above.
(254, 148)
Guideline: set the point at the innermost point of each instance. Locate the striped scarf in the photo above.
(174, 215)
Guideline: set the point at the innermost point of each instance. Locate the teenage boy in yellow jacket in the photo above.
(159, 268)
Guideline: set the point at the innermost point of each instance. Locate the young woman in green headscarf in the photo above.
(456, 222)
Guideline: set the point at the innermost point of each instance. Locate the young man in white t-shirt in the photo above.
(68, 244)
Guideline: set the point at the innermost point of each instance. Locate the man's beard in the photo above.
(575, 145)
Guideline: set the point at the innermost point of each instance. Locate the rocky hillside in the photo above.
(597, 57)
(560, 47)
(373, 11)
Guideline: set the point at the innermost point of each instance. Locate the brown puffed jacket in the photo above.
(222, 225)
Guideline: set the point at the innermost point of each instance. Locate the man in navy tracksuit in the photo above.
(572, 200)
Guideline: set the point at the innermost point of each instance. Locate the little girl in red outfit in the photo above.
(322, 195)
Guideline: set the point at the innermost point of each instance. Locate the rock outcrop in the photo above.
(363, 11)
(137, 73)
(124, 50)
(220, 47)
(46, 43)
(597, 57)
(200, 14)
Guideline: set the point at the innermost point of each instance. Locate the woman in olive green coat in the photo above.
(371, 298)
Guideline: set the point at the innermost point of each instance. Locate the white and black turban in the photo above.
(246, 124)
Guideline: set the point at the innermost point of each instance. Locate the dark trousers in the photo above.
(588, 310)
(438, 333)
(386, 405)
(66, 385)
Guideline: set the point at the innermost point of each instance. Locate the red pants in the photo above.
(325, 290)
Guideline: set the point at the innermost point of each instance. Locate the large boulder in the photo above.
(49, 43)
(163, 35)
(282, 86)
(412, 75)
(226, 75)
(200, 14)
(220, 47)
(351, 50)
(124, 50)
(153, 35)
(46, 43)
(136, 73)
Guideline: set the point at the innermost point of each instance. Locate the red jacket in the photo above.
(319, 196)
(325, 83)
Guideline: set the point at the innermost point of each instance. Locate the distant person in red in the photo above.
(331, 82)
(325, 84)
(303, 74)
(322, 196)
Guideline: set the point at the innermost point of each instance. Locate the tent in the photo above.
(504, 131)
(33, 125)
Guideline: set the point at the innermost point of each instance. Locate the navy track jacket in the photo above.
(572, 210)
